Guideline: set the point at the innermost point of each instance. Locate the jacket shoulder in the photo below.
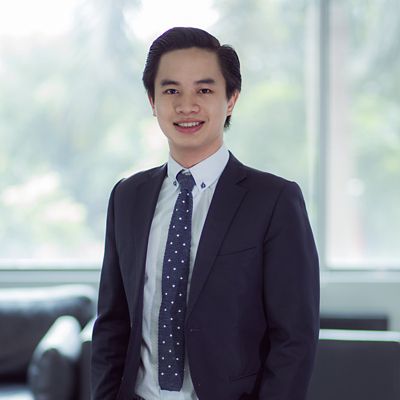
(132, 182)
(267, 181)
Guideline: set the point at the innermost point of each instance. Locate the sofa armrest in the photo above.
(52, 373)
(26, 314)
(356, 365)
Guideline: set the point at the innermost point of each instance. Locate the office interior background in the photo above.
(320, 105)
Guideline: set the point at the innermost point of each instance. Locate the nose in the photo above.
(187, 104)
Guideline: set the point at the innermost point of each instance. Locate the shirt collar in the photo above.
(205, 173)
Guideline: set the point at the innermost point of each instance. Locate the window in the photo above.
(363, 151)
(74, 117)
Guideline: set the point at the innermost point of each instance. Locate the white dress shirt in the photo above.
(206, 175)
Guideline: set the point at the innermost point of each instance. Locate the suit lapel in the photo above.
(226, 200)
(143, 211)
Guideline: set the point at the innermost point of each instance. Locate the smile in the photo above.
(188, 124)
(188, 127)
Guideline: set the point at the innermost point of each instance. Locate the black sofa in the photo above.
(357, 357)
(41, 342)
(359, 360)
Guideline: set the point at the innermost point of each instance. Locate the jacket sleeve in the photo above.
(291, 298)
(112, 327)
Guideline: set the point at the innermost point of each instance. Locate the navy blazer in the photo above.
(252, 318)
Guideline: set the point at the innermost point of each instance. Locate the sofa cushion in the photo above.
(52, 372)
(26, 314)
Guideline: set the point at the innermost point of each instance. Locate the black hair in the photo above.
(183, 38)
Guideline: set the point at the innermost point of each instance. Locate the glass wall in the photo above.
(74, 117)
(363, 152)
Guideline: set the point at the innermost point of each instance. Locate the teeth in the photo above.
(189, 124)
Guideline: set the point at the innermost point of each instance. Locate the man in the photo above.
(210, 285)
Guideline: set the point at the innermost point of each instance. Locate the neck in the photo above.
(188, 159)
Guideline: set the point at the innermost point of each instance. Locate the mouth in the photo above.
(188, 126)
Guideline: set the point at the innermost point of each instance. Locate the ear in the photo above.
(151, 100)
(232, 101)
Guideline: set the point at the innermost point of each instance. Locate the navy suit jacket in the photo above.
(252, 318)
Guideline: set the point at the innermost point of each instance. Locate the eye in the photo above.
(205, 91)
(170, 91)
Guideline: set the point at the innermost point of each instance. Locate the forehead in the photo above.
(192, 63)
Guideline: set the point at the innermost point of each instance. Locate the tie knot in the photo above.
(185, 180)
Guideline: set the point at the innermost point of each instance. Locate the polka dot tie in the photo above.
(171, 339)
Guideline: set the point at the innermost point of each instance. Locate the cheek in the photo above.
(220, 111)
(162, 104)
(162, 111)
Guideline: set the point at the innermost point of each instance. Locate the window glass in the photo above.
(74, 116)
(363, 180)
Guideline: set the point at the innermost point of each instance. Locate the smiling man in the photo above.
(210, 284)
(191, 103)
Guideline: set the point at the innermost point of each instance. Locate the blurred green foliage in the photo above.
(74, 117)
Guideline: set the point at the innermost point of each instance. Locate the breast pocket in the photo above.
(237, 257)
(236, 274)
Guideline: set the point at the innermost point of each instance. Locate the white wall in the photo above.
(364, 292)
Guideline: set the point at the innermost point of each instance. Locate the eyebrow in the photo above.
(168, 82)
(208, 81)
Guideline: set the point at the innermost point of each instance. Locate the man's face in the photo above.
(190, 103)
